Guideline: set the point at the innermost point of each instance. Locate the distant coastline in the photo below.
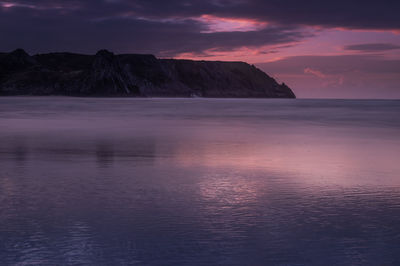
(132, 75)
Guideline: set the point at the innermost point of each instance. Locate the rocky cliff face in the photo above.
(106, 74)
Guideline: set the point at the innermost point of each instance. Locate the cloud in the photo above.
(353, 76)
(356, 14)
(179, 26)
(45, 30)
(314, 72)
(220, 24)
(336, 64)
(372, 47)
(326, 80)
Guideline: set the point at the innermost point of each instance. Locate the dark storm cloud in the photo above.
(340, 13)
(170, 27)
(372, 47)
(41, 30)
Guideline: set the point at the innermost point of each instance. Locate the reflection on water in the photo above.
(199, 182)
(104, 154)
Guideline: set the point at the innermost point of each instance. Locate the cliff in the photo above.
(106, 74)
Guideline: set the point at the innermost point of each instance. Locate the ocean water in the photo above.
(95, 181)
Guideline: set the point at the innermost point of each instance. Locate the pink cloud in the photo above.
(222, 24)
(314, 72)
(12, 4)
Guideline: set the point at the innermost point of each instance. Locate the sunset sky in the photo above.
(324, 49)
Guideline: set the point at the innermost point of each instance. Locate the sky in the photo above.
(320, 48)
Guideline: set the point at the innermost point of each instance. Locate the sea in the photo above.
(169, 181)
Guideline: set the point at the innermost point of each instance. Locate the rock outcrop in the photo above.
(106, 74)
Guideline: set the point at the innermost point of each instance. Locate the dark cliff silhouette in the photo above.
(106, 74)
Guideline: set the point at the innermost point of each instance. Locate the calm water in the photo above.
(199, 182)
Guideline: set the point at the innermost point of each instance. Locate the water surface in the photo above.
(199, 181)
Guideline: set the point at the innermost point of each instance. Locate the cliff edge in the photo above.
(106, 74)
